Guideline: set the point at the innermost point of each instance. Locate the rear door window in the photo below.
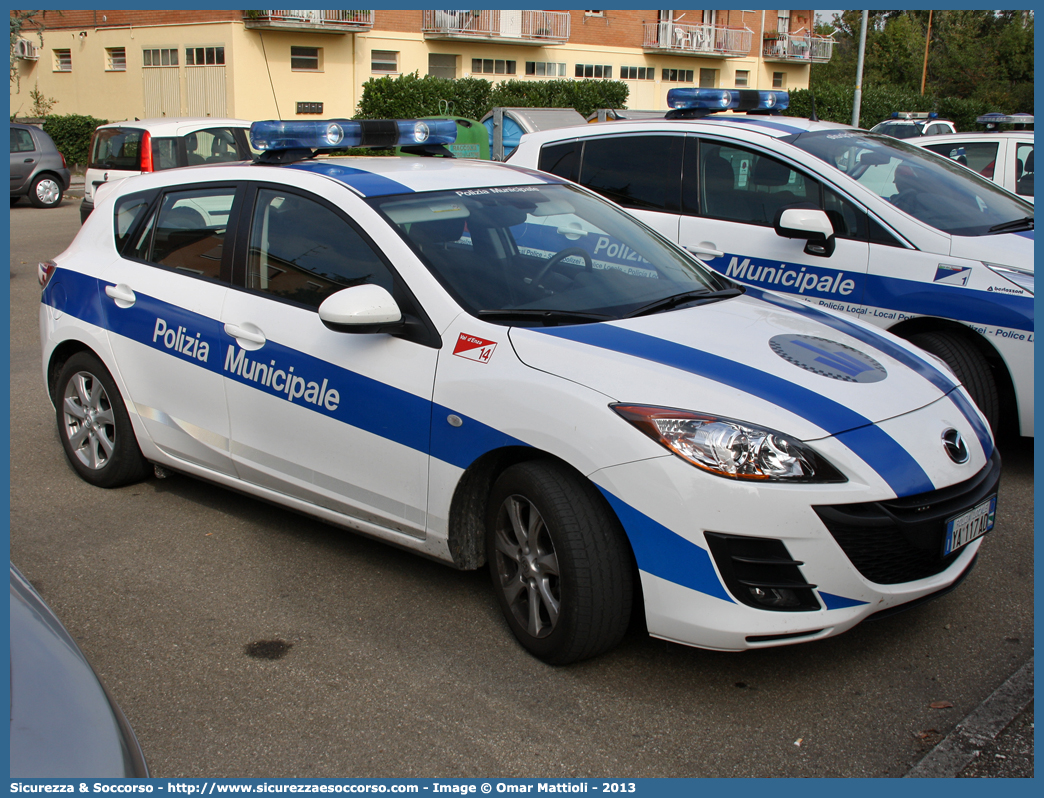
(21, 140)
(641, 172)
(187, 234)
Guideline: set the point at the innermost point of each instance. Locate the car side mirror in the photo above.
(365, 309)
(811, 224)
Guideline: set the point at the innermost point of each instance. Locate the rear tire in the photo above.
(94, 427)
(560, 563)
(45, 192)
(971, 368)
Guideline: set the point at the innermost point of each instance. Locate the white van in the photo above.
(123, 149)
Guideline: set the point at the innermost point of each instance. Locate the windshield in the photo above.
(932, 189)
(897, 130)
(549, 254)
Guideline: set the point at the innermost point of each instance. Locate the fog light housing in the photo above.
(774, 597)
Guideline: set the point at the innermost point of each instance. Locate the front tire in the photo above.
(560, 563)
(971, 368)
(45, 192)
(94, 427)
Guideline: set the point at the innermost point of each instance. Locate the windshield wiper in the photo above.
(1025, 223)
(703, 295)
(548, 318)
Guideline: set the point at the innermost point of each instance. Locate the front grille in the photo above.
(901, 540)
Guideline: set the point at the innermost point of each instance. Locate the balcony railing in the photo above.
(516, 27)
(708, 41)
(329, 21)
(797, 47)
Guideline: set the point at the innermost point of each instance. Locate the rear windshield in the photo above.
(116, 148)
(897, 130)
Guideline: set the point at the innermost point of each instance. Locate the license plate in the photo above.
(966, 527)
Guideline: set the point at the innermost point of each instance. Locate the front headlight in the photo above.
(1023, 278)
(730, 448)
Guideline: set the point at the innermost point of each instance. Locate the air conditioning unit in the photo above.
(27, 50)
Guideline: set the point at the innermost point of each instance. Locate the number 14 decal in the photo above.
(474, 348)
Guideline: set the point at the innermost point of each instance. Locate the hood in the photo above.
(810, 373)
(1006, 249)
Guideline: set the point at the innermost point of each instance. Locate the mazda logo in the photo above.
(953, 443)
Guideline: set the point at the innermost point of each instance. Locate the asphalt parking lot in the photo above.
(244, 640)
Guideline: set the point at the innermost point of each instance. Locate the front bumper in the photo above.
(877, 558)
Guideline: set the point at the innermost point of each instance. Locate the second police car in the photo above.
(862, 223)
(491, 366)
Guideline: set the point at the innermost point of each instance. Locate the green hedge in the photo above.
(834, 104)
(410, 96)
(72, 135)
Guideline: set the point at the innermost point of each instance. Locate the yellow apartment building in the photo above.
(289, 64)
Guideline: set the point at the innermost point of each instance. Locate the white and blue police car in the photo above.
(491, 366)
(857, 222)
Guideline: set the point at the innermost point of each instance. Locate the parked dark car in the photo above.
(38, 170)
(64, 723)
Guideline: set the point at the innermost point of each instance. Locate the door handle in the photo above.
(122, 294)
(30, 160)
(705, 249)
(254, 336)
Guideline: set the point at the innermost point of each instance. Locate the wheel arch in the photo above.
(48, 173)
(467, 518)
(999, 367)
(59, 355)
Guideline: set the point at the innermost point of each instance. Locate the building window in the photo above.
(384, 61)
(305, 59)
(160, 57)
(441, 65)
(742, 78)
(779, 80)
(637, 73)
(594, 71)
(594, 13)
(708, 78)
(678, 75)
(490, 66)
(206, 56)
(116, 59)
(63, 60)
(545, 68)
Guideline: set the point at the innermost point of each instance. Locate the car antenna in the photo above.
(812, 95)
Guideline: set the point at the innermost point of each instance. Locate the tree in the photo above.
(973, 55)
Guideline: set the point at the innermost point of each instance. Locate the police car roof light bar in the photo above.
(995, 118)
(694, 103)
(338, 134)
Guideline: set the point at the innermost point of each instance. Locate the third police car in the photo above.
(489, 365)
(860, 223)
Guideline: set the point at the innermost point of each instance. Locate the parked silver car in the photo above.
(38, 170)
(64, 723)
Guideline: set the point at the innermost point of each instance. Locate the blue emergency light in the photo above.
(727, 100)
(1005, 119)
(338, 134)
